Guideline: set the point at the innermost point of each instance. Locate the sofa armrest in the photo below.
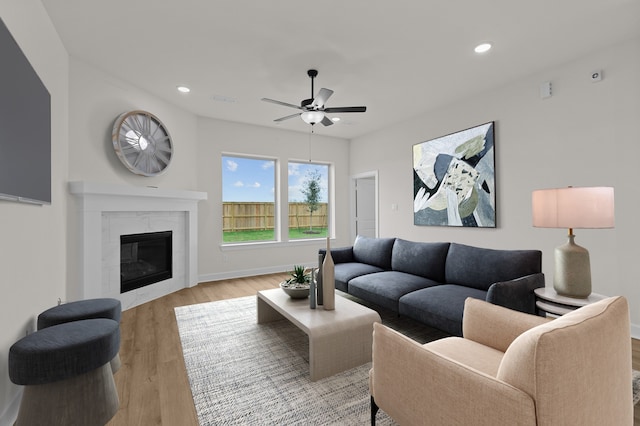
(516, 294)
(339, 254)
(412, 383)
(495, 326)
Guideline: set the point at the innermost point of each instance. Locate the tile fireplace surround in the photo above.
(106, 211)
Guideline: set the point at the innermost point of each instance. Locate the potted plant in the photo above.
(297, 285)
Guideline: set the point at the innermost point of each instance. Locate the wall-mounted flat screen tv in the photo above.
(25, 127)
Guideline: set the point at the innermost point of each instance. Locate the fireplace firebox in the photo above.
(145, 259)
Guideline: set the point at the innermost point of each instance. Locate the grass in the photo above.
(269, 235)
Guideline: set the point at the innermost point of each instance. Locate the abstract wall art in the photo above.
(454, 179)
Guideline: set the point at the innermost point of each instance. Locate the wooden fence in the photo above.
(238, 216)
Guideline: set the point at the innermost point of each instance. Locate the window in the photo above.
(308, 200)
(250, 205)
(248, 199)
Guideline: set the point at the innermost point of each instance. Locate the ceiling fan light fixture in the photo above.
(312, 117)
(313, 110)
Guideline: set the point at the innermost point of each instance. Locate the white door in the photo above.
(365, 207)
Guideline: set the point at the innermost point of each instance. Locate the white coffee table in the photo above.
(338, 340)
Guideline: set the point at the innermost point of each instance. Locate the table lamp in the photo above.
(572, 208)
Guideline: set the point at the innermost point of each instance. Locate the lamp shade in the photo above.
(573, 208)
(312, 117)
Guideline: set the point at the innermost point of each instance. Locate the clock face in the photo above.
(142, 143)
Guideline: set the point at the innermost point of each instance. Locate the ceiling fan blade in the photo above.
(273, 101)
(322, 97)
(288, 117)
(347, 109)
(327, 121)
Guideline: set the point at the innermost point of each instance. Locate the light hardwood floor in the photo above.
(152, 382)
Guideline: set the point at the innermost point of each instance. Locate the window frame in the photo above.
(280, 197)
(329, 198)
(276, 192)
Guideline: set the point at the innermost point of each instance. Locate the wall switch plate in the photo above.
(545, 90)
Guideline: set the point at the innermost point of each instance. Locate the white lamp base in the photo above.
(572, 276)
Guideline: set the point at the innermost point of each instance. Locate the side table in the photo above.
(550, 303)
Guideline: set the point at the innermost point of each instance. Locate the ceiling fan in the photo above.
(313, 110)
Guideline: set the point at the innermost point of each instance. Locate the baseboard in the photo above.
(635, 331)
(10, 414)
(248, 272)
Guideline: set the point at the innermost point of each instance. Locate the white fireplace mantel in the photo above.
(106, 208)
(123, 191)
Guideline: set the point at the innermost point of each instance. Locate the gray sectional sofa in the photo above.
(430, 281)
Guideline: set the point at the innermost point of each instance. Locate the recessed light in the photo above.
(482, 48)
(335, 119)
(183, 89)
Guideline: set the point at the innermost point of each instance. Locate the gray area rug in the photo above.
(241, 372)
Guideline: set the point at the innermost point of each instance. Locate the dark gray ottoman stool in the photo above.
(83, 309)
(66, 373)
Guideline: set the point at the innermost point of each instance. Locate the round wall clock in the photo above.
(142, 143)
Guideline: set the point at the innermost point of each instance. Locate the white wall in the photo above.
(33, 238)
(217, 137)
(96, 99)
(586, 134)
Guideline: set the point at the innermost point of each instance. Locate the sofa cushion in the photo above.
(506, 324)
(345, 272)
(473, 354)
(480, 267)
(423, 259)
(374, 251)
(385, 288)
(339, 254)
(440, 306)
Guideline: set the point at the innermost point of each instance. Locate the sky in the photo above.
(250, 179)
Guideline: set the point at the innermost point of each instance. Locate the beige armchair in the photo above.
(510, 368)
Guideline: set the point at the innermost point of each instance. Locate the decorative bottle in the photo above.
(319, 295)
(312, 290)
(328, 281)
